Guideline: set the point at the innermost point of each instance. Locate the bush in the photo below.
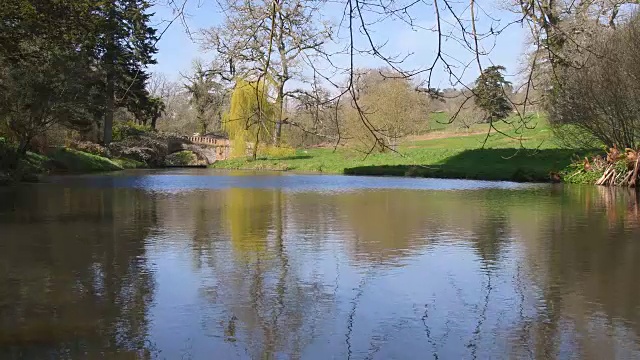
(8, 155)
(123, 130)
(14, 167)
(88, 147)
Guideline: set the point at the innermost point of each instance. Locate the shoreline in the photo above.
(544, 166)
(399, 171)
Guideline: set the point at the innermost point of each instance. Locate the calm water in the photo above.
(208, 265)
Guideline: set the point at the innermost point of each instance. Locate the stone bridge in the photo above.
(209, 148)
(221, 147)
(206, 151)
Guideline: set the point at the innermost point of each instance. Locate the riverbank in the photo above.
(62, 160)
(135, 147)
(454, 154)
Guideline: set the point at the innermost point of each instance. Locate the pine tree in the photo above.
(490, 93)
(125, 46)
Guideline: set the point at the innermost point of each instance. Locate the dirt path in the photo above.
(442, 135)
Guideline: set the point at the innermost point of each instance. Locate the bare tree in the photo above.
(315, 117)
(465, 34)
(600, 99)
(265, 39)
(208, 95)
(391, 105)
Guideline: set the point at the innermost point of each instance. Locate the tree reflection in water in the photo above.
(541, 273)
(74, 280)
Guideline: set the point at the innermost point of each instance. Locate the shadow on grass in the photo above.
(485, 164)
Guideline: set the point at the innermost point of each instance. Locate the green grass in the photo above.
(533, 157)
(80, 162)
(439, 121)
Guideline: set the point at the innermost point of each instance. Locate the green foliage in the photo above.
(182, 158)
(490, 94)
(8, 155)
(123, 130)
(156, 107)
(47, 89)
(126, 46)
(575, 174)
(58, 59)
(250, 117)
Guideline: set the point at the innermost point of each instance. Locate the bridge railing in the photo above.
(208, 140)
(222, 146)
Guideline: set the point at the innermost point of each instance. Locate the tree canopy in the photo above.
(490, 93)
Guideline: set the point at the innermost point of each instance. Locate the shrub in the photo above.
(123, 130)
(88, 147)
(8, 155)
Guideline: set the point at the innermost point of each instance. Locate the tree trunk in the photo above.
(203, 123)
(255, 146)
(109, 108)
(277, 134)
(110, 88)
(23, 147)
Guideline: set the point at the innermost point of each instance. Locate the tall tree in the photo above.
(39, 94)
(391, 104)
(110, 42)
(490, 93)
(125, 47)
(46, 72)
(266, 40)
(244, 122)
(208, 95)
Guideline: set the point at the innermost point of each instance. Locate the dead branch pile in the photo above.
(618, 168)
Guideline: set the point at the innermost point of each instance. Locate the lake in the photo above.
(203, 264)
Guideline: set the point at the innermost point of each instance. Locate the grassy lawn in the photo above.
(442, 153)
(81, 162)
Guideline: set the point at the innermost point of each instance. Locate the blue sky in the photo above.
(177, 50)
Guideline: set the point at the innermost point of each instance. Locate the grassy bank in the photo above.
(62, 160)
(444, 153)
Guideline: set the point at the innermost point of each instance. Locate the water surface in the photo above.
(202, 264)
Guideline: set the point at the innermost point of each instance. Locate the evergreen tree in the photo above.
(100, 49)
(124, 48)
(490, 93)
(47, 74)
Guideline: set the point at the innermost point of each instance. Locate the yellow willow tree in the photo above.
(250, 116)
(248, 217)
